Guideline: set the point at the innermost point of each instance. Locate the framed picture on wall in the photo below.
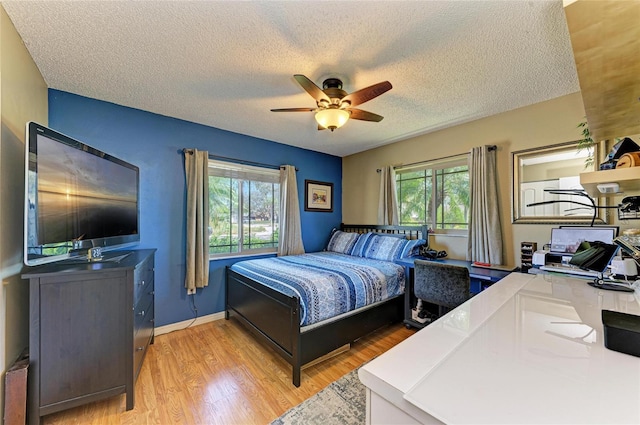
(318, 196)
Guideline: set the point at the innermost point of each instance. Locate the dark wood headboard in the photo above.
(411, 232)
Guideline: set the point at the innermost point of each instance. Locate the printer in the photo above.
(543, 258)
(539, 258)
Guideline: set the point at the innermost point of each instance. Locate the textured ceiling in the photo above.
(227, 63)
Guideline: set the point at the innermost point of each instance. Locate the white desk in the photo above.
(529, 349)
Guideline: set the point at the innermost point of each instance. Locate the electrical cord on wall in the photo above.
(194, 308)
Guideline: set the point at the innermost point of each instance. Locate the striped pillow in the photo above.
(342, 242)
(379, 247)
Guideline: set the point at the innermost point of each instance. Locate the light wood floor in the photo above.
(217, 373)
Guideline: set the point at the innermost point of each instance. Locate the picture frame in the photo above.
(318, 196)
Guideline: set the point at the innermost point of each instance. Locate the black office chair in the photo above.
(442, 284)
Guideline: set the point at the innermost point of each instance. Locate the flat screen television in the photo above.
(76, 198)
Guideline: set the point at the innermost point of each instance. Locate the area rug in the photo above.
(341, 402)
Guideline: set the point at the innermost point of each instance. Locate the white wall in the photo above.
(23, 97)
(547, 123)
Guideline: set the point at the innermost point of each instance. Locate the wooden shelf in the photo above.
(605, 37)
(627, 178)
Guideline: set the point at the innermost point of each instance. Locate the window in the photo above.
(436, 194)
(244, 207)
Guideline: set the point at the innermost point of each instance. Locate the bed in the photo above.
(268, 295)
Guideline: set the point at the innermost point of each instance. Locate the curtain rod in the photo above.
(490, 148)
(237, 160)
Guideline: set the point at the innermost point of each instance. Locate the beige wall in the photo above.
(23, 97)
(546, 171)
(542, 124)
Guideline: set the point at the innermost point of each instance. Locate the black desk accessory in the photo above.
(600, 283)
(621, 332)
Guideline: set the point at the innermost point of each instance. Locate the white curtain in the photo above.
(388, 200)
(290, 240)
(197, 265)
(485, 232)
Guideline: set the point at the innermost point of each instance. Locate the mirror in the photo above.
(557, 167)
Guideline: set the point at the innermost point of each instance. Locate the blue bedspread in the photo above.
(327, 283)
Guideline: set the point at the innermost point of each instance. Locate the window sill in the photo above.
(242, 255)
(449, 235)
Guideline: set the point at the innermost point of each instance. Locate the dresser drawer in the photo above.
(143, 309)
(142, 277)
(142, 339)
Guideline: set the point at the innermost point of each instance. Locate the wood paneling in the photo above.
(605, 36)
(217, 373)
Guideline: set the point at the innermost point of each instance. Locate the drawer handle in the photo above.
(139, 348)
(141, 283)
(141, 313)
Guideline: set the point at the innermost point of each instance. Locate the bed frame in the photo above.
(274, 317)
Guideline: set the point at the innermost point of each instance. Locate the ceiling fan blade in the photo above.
(368, 93)
(359, 114)
(294, 110)
(311, 88)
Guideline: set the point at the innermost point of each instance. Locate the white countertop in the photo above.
(529, 349)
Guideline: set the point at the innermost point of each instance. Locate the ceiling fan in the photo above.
(334, 105)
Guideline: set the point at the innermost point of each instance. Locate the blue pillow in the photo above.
(360, 243)
(379, 247)
(342, 242)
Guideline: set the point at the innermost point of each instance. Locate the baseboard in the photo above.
(188, 323)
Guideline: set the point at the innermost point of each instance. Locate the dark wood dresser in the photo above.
(90, 326)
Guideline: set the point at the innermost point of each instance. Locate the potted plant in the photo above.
(586, 143)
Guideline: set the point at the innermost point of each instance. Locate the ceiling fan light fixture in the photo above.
(332, 118)
(334, 105)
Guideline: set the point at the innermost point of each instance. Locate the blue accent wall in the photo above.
(154, 143)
